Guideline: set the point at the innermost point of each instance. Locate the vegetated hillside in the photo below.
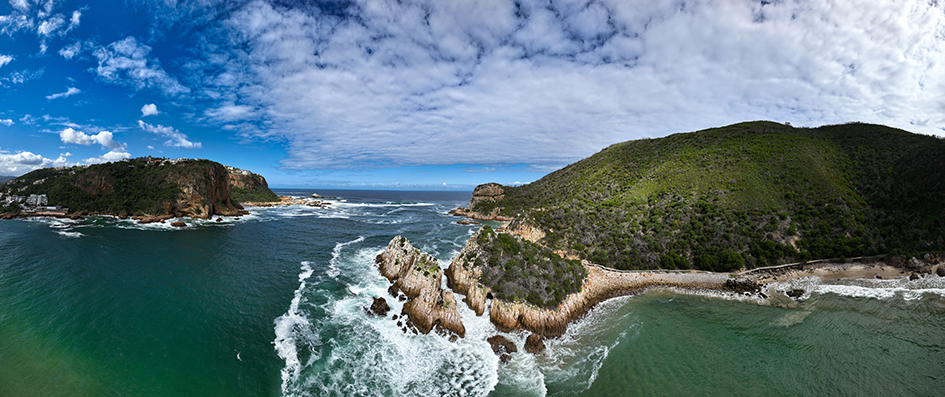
(246, 187)
(142, 186)
(749, 194)
(516, 269)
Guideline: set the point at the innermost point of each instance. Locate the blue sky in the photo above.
(443, 94)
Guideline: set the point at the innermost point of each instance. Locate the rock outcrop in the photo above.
(502, 347)
(489, 192)
(418, 276)
(378, 308)
(601, 284)
(534, 344)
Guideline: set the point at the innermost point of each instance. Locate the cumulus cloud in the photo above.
(127, 62)
(104, 138)
(7, 122)
(69, 92)
(149, 110)
(22, 162)
(5, 59)
(111, 156)
(177, 139)
(392, 83)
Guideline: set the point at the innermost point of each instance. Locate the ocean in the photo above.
(272, 304)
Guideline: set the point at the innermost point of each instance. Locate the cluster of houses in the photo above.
(31, 203)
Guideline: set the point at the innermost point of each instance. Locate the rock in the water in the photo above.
(534, 344)
(178, 224)
(940, 270)
(796, 293)
(913, 277)
(502, 347)
(379, 307)
(219, 219)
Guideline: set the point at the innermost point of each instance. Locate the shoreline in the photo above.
(603, 283)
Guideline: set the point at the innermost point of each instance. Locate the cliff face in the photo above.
(246, 186)
(482, 205)
(418, 276)
(140, 187)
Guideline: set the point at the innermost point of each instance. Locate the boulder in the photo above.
(940, 270)
(914, 263)
(178, 224)
(502, 347)
(913, 277)
(379, 307)
(534, 344)
(796, 293)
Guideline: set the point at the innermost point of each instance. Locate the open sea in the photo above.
(271, 304)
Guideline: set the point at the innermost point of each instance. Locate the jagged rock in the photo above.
(796, 293)
(502, 347)
(914, 263)
(913, 277)
(467, 223)
(534, 344)
(418, 276)
(379, 307)
(742, 285)
(219, 219)
(940, 270)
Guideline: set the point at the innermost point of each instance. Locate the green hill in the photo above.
(749, 194)
(146, 186)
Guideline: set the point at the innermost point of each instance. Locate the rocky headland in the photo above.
(482, 196)
(418, 276)
(146, 189)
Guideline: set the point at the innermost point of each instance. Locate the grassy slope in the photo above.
(748, 194)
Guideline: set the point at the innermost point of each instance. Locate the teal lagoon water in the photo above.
(271, 304)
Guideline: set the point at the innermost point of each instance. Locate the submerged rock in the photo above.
(502, 347)
(796, 293)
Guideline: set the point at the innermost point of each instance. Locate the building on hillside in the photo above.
(37, 200)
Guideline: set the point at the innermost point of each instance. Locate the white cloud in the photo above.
(75, 20)
(6, 122)
(49, 26)
(127, 63)
(177, 139)
(5, 59)
(69, 92)
(104, 138)
(392, 83)
(20, 5)
(111, 156)
(22, 162)
(149, 110)
(23, 76)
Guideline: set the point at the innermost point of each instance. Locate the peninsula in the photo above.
(725, 209)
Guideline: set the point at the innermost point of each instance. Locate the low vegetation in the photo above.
(520, 270)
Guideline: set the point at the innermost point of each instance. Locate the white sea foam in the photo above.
(289, 328)
(883, 289)
(66, 233)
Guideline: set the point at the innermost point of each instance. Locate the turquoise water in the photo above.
(271, 304)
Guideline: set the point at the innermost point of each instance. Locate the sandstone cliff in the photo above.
(143, 187)
(482, 204)
(418, 276)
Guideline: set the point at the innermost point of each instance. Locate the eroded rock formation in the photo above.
(418, 276)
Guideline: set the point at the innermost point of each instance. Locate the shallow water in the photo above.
(272, 304)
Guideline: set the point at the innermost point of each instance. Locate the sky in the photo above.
(444, 94)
